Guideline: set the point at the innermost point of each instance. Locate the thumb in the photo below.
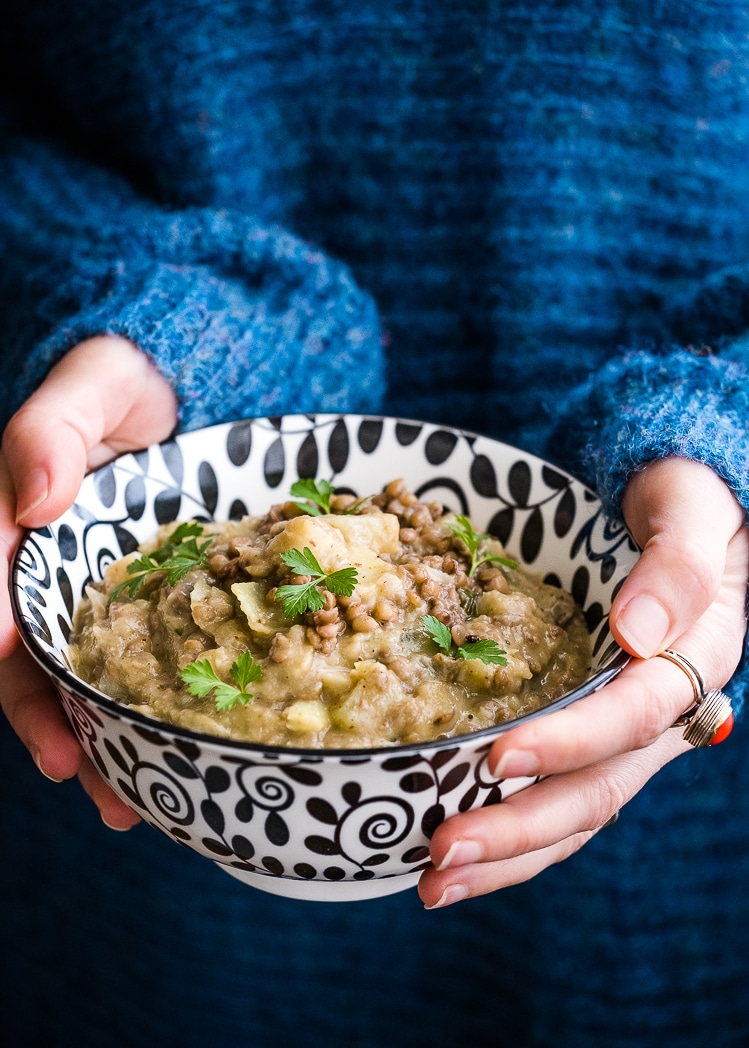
(9, 536)
(103, 398)
(683, 517)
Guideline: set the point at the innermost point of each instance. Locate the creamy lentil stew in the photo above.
(362, 671)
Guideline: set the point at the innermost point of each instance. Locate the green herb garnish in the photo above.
(180, 553)
(486, 650)
(201, 679)
(317, 495)
(306, 596)
(463, 528)
(440, 633)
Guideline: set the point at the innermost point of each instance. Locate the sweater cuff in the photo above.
(644, 406)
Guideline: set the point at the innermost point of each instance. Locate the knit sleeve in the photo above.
(646, 405)
(240, 317)
(689, 396)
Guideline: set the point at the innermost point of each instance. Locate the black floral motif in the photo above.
(532, 536)
(439, 446)
(275, 464)
(171, 452)
(354, 817)
(125, 539)
(135, 497)
(308, 458)
(564, 514)
(67, 543)
(208, 487)
(239, 443)
(519, 482)
(106, 485)
(167, 505)
(369, 434)
(406, 433)
(364, 832)
(484, 477)
(338, 446)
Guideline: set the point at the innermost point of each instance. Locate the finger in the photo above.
(628, 714)
(683, 516)
(9, 536)
(35, 714)
(490, 848)
(114, 812)
(102, 398)
(438, 889)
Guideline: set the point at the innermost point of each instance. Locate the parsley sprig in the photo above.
(463, 528)
(486, 650)
(307, 596)
(316, 497)
(201, 679)
(180, 553)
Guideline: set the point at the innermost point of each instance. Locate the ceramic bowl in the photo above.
(324, 825)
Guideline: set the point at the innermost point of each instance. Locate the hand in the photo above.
(687, 592)
(102, 399)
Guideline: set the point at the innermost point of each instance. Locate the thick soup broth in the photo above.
(435, 632)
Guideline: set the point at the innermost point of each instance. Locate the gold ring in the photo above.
(709, 719)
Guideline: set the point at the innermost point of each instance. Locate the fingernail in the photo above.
(117, 829)
(40, 766)
(461, 853)
(453, 893)
(34, 491)
(515, 763)
(644, 624)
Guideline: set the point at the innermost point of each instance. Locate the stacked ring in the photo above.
(710, 718)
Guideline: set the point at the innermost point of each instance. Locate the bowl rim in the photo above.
(72, 683)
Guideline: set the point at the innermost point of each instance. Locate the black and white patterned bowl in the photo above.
(330, 825)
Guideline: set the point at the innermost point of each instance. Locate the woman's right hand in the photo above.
(102, 399)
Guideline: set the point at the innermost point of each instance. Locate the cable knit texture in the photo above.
(524, 218)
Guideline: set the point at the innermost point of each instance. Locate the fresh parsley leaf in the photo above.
(201, 679)
(486, 650)
(463, 528)
(342, 581)
(187, 530)
(298, 598)
(245, 670)
(180, 553)
(439, 632)
(302, 562)
(316, 495)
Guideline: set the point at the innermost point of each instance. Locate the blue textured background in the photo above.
(528, 219)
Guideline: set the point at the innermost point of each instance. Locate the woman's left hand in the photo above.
(687, 592)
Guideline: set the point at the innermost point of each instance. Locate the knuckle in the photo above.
(16, 428)
(526, 833)
(22, 431)
(660, 710)
(607, 795)
(698, 572)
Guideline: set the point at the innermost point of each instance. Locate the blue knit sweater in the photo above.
(525, 218)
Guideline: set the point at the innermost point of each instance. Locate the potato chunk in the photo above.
(263, 617)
